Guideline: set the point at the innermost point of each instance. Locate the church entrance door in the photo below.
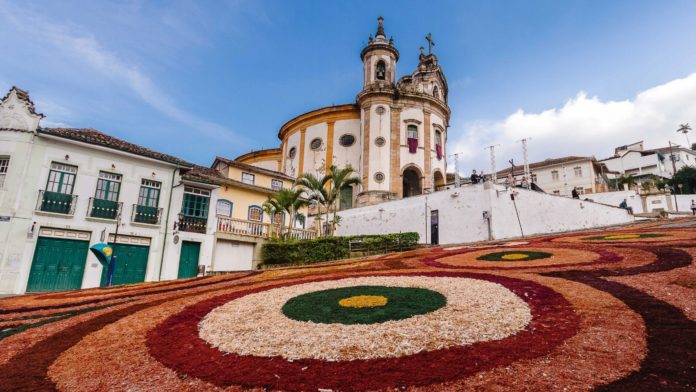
(412, 182)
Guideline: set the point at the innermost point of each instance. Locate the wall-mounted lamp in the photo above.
(154, 174)
(113, 166)
(67, 157)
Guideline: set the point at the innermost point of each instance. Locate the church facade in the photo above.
(394, 135)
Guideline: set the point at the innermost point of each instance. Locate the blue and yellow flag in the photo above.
(103, 252)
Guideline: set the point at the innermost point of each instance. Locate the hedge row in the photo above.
(277, 252)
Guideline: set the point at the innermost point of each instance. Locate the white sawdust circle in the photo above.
(476, 310)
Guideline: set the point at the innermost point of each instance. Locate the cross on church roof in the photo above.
(431, 43)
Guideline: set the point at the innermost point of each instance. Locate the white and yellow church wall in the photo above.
(379, 157)
(345, 156)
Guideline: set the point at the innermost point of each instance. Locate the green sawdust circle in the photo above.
(323, 306)
(499, 256)
(608, 237)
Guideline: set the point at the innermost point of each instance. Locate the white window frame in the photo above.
(226, 203)
(555, 175)
(248, 178)
(578, 171)
(4, 167)
(276, 185)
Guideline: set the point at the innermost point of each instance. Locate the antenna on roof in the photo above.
(494, 175)
(525, 157)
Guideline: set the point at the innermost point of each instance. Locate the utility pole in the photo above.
(491, 149)
(525, 156)
(456, 170)
(674, 171)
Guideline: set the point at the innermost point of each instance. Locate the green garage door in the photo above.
(188, 261)
(58, 265)
(131, 264)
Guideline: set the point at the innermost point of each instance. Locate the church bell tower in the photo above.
(379, 58)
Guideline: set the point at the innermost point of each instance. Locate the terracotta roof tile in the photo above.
(93, 136)
(252, 168)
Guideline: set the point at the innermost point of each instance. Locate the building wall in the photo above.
(567, 180)
(30, 165)
(637, 164)
(461, 215)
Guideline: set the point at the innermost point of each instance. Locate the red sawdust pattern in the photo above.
(604, 258)
(134, 295)
(671, 336)
(27, 371)
(554, 320)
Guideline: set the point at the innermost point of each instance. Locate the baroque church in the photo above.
(393, 136)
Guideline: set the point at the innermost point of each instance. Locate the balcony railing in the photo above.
(147, 215)
(58, 203)
(103, 209)
(192, 224)
(261, 230)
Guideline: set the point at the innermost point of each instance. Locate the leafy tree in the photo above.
(314, 189)
(685, 176)
(285, 200)
(628, 180)
(337, 180)
(326, 191)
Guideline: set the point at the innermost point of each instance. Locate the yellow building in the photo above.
(242, 224)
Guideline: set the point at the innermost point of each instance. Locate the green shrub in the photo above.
(276, 252)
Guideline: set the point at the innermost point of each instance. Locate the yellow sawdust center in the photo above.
(515, 256)
(363, 301)
(622, 236)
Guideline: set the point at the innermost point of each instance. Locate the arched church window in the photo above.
(346, 140)
(412, 138)
(292, 152)
(315, 144)
(436, 92)
(381, 70)
(438, 144)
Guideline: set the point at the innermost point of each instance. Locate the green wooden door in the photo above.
(188, 260)
(58, 265)
(131, 264)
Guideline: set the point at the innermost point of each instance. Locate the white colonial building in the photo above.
(63, 190)
(560, 176)
(635, 160)
(394, 135)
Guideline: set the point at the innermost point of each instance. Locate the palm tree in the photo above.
(285, 200)
(337, 180)
(685, 128)
(314, 189)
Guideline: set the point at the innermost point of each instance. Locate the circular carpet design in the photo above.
(421, 313)
(600, 313)
(514, 256)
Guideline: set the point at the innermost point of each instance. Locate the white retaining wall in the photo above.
(461, 215)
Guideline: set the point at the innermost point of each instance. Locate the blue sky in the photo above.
(206, 78)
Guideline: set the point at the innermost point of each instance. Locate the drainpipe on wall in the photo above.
(166, 221)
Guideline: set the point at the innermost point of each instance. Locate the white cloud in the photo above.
(583, 126)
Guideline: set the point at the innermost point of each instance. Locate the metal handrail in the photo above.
(104, 209)
(145, 214)
(55, 202)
